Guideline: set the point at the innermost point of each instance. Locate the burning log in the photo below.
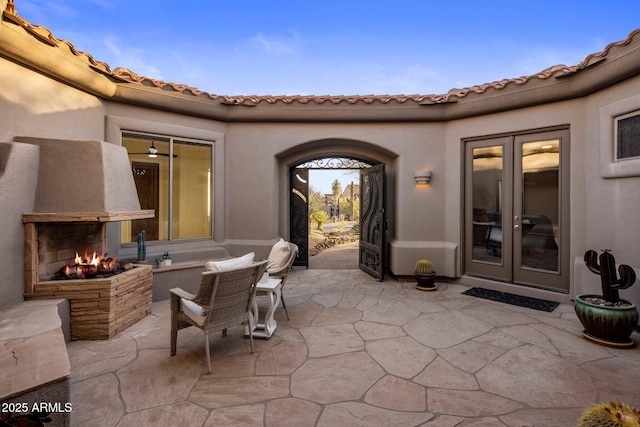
(89, 267)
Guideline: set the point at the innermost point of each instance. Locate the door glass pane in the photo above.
(191, 199)
(540, 205)
(487, 204)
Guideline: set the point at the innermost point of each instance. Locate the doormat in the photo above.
(513, 299)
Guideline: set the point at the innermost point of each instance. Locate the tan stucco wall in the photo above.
(415, 213)
(610, 218)
(17, 195)
(252, 161)
(33, 105)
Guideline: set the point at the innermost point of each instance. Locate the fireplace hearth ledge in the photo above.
(101, 308)
(37, 367)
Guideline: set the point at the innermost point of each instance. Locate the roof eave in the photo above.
(35, 48)
(562, 83)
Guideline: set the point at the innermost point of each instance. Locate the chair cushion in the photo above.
(279, 255)
(231, 264)
(194, 311)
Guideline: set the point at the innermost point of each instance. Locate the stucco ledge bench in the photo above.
(184, 272)
(34, 363)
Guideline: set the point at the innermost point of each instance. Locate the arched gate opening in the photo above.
(375, 181)
(371, 219)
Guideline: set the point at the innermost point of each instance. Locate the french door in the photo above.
(516, 208)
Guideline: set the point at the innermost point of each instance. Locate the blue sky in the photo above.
(335, 47)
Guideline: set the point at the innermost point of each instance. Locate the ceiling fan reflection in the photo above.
(152, 152)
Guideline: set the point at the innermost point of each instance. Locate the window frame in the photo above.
(115, 124)
(610, 166)
(171, 140)
(616, 133)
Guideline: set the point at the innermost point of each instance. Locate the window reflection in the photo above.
(487, 204)
(540, 204)
(173, 177)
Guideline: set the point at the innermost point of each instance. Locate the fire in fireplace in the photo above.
(90, 266)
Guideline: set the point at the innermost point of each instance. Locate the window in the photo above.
(173, 176)
(627, 131)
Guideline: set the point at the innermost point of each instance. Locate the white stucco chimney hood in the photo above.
(83, 181)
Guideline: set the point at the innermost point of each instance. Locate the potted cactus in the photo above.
(614, 414)
(168, 259)
(607, 319)
(425, 275)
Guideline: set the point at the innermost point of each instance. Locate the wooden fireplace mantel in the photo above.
(87, 216)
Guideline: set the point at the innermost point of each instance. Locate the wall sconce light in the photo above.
(422, 177)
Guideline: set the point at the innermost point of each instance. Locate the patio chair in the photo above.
(281, 272)
(224, 299)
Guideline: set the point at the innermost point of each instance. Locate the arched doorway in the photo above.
(377, 185)
(371, 219)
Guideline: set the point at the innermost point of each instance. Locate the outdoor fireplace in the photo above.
(72, 208)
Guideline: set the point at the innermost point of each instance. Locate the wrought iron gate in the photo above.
(299, 206)
(372, 221)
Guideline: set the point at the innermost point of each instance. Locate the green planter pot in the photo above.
(426, 282)
(610, 326)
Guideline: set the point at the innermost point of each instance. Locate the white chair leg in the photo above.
(206, 350)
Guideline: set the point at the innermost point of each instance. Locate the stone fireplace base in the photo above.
(101, 308)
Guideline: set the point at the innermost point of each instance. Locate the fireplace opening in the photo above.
(105, 295)
(91, 266)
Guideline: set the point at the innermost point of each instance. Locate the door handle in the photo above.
(516, 227)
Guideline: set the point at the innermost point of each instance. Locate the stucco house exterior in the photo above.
(548, 164)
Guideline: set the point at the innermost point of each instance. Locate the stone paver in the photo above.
(446, 329)
(220, 392)
(335, 378)
(182, 413)
(357, 352)
(363, 415)
(470, 356)
(290, 412)
(96, 399)
(154, 379)
(402, 356)
(468, 403)
(397, 394)
(283, 359)
(328, 340)
(442, 374)
(246, 416)
(551, 381)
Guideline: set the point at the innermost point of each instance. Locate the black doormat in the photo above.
(513, 299)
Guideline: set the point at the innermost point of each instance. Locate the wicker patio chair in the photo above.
(282, 273)
(224, 299)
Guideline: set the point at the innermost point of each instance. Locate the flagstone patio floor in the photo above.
(357, 352)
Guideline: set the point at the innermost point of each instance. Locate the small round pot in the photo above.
(610, 326)
(426, 282)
